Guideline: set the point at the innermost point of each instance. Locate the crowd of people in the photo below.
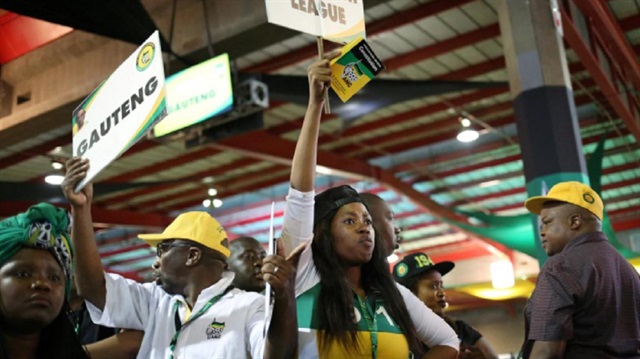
(333, 293)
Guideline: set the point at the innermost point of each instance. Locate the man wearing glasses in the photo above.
(194, 311)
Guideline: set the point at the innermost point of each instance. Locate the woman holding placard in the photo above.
(348, 304)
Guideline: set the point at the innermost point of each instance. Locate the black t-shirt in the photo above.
(466, 333)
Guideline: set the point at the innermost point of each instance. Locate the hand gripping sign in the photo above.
(121, 109)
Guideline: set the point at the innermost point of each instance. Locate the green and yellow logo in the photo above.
(588, 198)
(215, 329)
(401, 270)
(145, 56)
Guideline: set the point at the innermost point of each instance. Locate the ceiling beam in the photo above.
(607, 28)
(34, 151)
(273, 148)
(591, 63)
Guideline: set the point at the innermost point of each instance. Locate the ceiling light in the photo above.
(465, 122)
(502, 276)
(54, 179)
(489, 183)
(206, 202)
(468, 136)
(57, 165)
(217, 203)
(392, 258)
(212, 191)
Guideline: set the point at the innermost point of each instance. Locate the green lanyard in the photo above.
(209, 304)
(372, 324)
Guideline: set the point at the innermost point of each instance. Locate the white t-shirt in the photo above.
(231, 328)
(297, 229)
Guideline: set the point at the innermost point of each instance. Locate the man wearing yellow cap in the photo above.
(193, 310)
(586, 303)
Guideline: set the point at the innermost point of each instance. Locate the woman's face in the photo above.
(430, 291)
(353, 235)
(32, 290)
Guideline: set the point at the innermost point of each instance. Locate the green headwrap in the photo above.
(41, 226)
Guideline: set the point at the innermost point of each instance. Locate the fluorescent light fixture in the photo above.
(54, 179)
(502, 276)
(57, 165)
(489, 183)
(468, 136)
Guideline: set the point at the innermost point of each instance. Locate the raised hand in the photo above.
(319, 74)
(280, 273)
(76, 170)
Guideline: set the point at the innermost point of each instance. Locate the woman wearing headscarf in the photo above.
(35, 270)
(348, 304)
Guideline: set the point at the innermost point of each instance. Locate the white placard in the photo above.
(334, 20)
(121, 110)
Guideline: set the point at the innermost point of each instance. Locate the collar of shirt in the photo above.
(205, 295)
(586, 238)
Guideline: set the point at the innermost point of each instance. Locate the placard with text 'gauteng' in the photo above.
(121, 110)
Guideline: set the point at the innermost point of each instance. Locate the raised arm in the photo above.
(297, 225)
(303, 168)
(88, 272)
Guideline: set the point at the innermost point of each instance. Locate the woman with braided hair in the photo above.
(35, 270)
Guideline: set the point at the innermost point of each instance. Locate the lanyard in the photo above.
(372, 324)
(179, 327)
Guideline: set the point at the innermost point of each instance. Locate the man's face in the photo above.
(555, 228)
(32, 290)
(80, 117)
(246, 262)
(384, 223)
(169, 267)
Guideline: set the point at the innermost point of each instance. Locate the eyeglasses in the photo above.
(163, 247)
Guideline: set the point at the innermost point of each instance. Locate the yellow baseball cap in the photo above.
(573, 192)
(198, 227)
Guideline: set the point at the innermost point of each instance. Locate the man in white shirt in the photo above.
(192, 311)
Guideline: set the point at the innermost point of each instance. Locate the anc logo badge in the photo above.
(402, 270)
(145, 56)
(588, 198)
(215, 329)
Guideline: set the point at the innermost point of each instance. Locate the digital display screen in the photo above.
(197, 94)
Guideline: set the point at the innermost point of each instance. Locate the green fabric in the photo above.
(594, 168)
(42, 226)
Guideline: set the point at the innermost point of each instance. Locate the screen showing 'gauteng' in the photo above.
(197, 94)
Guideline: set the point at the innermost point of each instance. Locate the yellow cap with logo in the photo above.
(198, 227)
(573, 192)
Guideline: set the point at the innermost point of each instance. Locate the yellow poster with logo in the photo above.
(356, 66)
(121, 110)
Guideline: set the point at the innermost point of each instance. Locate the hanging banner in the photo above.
(335, 20)
(121, 110)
